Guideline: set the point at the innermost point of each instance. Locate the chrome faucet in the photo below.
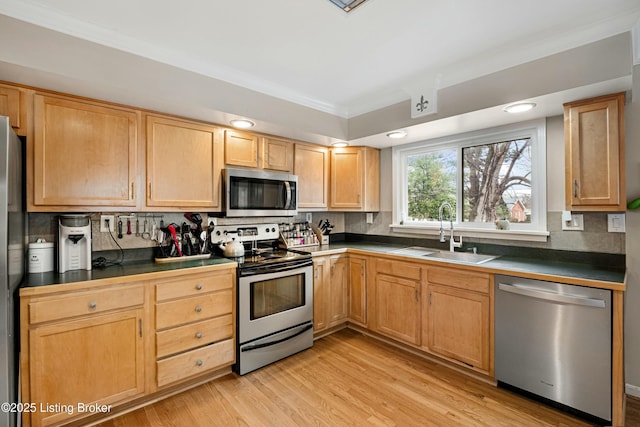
(452, 241)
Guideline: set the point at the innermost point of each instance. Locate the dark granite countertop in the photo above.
(126, 269)
(552, 269)
(503, 264)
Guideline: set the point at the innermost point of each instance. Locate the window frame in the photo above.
(534, 231)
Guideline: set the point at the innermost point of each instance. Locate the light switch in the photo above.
(575, 222)
(369, 217)
(615, 223)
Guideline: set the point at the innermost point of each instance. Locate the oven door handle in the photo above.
(270, 343)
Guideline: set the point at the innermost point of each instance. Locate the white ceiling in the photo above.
(311, 53)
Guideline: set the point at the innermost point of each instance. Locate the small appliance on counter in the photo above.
(74, 243)
(40, 256)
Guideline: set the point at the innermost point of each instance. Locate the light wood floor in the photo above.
(347, 379)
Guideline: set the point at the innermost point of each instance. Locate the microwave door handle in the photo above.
(287, 188)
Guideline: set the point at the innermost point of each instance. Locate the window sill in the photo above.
(520, 235)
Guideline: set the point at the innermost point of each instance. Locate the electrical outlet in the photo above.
(309, 217)
(107, 223)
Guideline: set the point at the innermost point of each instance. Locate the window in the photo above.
(484, 176)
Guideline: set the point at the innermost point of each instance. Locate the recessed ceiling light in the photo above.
(397, 134)
(339, 144)
(519, 107)
(242, 123)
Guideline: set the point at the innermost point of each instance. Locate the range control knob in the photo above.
(267, 230)
(273, 229)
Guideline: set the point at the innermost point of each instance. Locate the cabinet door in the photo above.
(338, 307)
(240, 149)
(346, 178)
(458, 325)
(397, 308)
(594, 151)
(84, 154)
(98, 359)
(358, 290)
(311, 165)
(277, 154)
(184, 164)
(320, 294)
(11, 106)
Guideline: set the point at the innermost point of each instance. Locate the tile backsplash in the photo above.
(594, 238)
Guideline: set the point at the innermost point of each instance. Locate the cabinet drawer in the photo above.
(193, 285)
(192, 309)
(398, 268)
(83, 303)
(477, 282)
(175, 340)
(195, 362)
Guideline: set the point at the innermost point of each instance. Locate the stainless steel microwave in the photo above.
(250, 192)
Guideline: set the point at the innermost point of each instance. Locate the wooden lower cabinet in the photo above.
(95, 358)
(95, 345)
(457, 316)
(458, 324)
(396, 293)
(195, 325)
(320, 293)
(331, 278)
(357, 287)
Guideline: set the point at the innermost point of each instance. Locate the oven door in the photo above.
(272, 302)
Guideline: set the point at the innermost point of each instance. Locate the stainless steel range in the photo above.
(275, 297)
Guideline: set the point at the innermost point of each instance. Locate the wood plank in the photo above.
(347, 379)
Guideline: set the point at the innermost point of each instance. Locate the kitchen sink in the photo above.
(414, 251)
(465, 257)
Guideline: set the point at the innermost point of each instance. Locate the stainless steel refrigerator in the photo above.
(12, 262)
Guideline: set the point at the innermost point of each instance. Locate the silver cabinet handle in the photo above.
(199, 335)
(199, 362)
(199, 287)
(93, 304)
(198, 309)
(551, 296)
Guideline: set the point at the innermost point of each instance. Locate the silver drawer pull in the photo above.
(198, 309)
(199, 335)
(199, 287)
(199, 363)
(93, 304)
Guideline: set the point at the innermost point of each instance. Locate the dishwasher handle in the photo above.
(552, 296)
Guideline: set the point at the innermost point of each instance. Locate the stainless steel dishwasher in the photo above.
(554, 340)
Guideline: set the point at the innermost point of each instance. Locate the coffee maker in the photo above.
(74, 242)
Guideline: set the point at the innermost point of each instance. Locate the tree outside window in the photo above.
(497, 181)
(432, 181)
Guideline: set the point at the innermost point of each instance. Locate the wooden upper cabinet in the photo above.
(594, 154)
(240, 149)
(311, 165)
(84, 154)
(12, 105)
(277, 154)
(184, 163)
(355, 179)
